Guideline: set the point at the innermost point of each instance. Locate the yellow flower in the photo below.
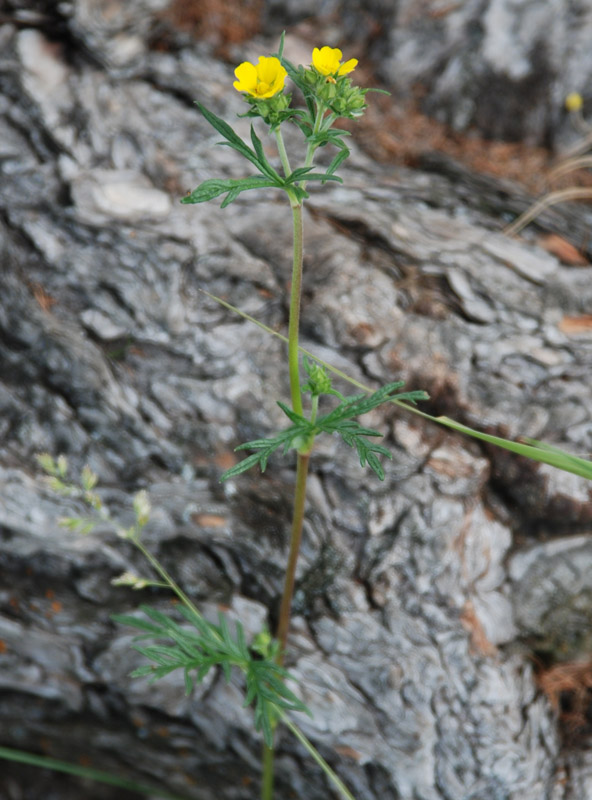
(327, 61)
(262, 80)
(574, 102)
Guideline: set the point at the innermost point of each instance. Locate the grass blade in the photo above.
(88, 773)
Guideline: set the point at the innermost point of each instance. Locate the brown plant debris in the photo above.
(568, 688)
(223, 22)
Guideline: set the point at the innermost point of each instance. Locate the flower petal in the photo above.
(348, 66)
(268, 68)
(326, 60)
(247, 77)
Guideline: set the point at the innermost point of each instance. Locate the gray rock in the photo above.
(501, 67)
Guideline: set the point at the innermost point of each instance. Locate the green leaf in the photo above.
(213, 187)
(86, 773)
(292, 415)
(255, 444)
(375, 464)
(267, 730)
(280, 52)
(535, 450)
(135, 622)
(265, 166)
(317, 176)
(197, 650)
(290, 437)
(242, 466)
(231, 137)
(142, 672)
(338, 160)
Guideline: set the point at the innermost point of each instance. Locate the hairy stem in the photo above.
(293, 328)
(282, 152)
(310, 150)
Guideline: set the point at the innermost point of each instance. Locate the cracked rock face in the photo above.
(501, 67)
(412, 594)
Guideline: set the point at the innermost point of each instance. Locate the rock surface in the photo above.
(501, 67)
(419, 599)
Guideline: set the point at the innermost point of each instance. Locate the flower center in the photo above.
(262, 87)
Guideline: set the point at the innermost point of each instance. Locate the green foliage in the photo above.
(198, 649)
(269, 178)
(57, 468)
(86, 773)
(82, 525)
(273, 110)
(319, 380)
(302, 432)
(533, 449)
(232, 187)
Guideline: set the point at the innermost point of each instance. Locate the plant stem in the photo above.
(303, 458)
(267, 780)
(282, 152)
(288, 593)
(310, 150)
(295, 538)
(157, 566)
(293, 328)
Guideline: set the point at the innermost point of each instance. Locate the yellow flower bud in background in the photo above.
(574, 102)
(260, 80)
(327, 61)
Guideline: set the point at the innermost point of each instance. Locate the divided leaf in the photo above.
(214, 187)
(196, 650)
